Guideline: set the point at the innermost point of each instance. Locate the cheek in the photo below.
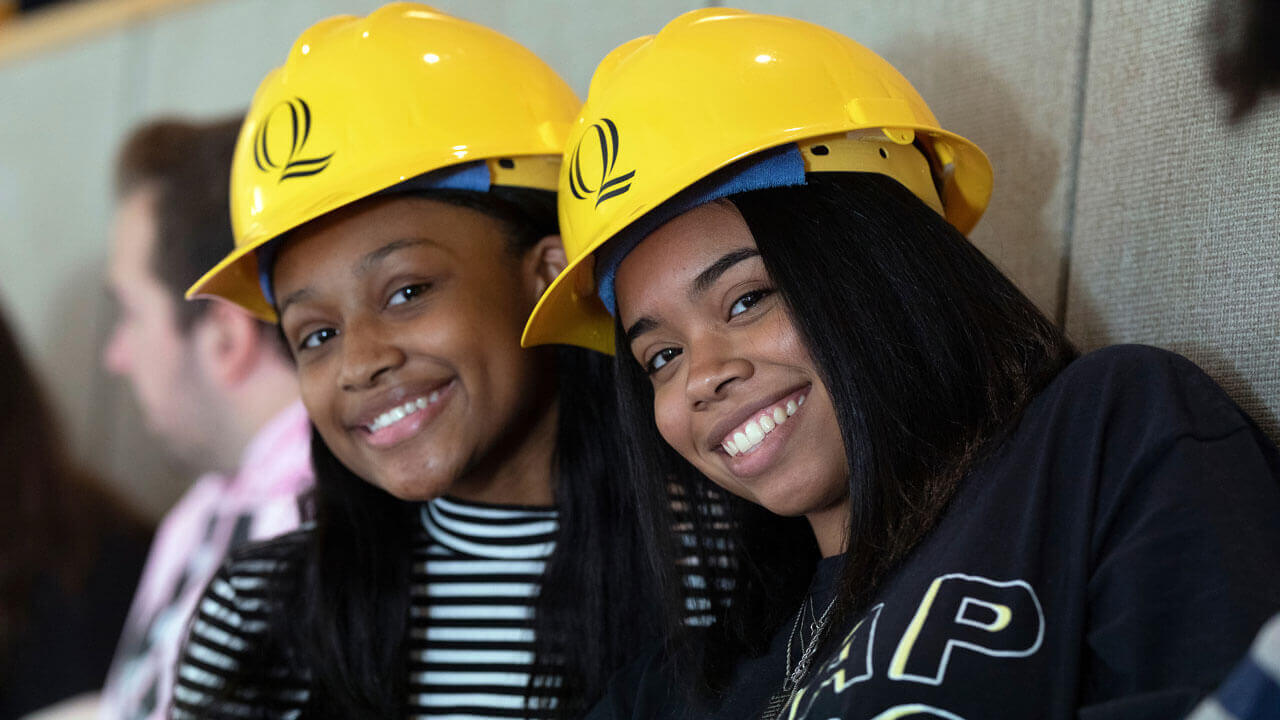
(482, 341)
(673, 422)
(787, 343)
(314, 385)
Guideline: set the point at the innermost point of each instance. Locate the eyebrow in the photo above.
(701, 284)
(640, 327)
(376, 256)
(293, 297)
(366, 264)
(708, 277)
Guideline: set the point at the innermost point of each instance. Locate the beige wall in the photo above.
(1123, 205)
(1177, 218)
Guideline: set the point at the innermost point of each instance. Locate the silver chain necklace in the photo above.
(793, 676)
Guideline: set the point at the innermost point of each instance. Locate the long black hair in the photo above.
(929, 355)
(344, 617)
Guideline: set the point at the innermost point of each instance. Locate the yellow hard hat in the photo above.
(714, 87)
(365, 104)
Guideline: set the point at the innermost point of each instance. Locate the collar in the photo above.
(506, 532)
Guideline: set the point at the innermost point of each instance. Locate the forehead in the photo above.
(341, 241)
(666, 263)
(133, 233)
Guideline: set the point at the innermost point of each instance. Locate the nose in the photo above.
(714, 368)
(115, 356)
(369, 351)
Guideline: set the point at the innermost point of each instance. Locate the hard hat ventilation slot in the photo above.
(819, 150)
(884, 154)
(506, 163)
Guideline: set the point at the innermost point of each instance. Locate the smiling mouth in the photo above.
(748, 436)
(401, 412)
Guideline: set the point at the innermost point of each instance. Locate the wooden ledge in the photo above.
(52, 27)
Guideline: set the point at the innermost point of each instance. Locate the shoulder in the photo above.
(268, 564)
(284, 550)
(1132, 361)
(232, 659)
(1142, 388)
(252, 576)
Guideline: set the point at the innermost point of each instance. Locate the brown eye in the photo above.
(660, 359)
(407, 293)
(748, 301)
(317, 338)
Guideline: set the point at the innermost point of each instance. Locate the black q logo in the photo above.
(607, 134)
(288, 158)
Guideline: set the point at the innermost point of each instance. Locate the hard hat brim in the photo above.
(570, 313)
(236, 279)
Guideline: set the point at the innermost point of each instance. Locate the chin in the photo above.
(412, 488)
(794, 498)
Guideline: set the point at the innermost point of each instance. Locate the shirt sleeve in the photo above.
(225, 668)
(1185, 568)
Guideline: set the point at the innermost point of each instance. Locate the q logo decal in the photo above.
(282, 150)
(611, 183)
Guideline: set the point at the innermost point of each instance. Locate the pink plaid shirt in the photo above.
(218, 512)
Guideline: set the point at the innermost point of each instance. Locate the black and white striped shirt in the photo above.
(471, 638)
(471, 626)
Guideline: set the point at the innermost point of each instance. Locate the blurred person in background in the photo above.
(70, 554)
(215, 386)
(1246, 66)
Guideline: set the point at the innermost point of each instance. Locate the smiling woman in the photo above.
(768, 447)
(936, 509)
(473, 553)
(434, 295)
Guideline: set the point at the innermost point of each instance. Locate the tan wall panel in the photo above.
(58, 125)
(1177, 218)
(573, 37)
(1003, 73)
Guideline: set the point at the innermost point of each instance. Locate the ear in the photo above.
(229, 343)
(543, 262)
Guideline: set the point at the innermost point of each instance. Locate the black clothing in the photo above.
(1111, 558)
(69, 634)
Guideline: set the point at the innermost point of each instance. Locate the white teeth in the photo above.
(754, 431)
(400, 412)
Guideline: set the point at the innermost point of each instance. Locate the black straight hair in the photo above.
(343, 620)
(929, 354)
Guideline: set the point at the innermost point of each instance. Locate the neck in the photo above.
(523, 476)
(831, 527)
